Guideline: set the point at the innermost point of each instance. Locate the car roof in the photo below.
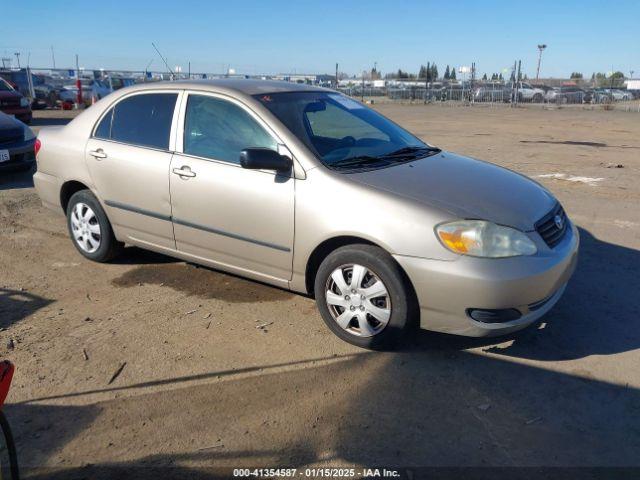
(244, 86)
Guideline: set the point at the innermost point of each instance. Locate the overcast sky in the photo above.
(273, 36)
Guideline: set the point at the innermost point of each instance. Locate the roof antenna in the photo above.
(165, 62)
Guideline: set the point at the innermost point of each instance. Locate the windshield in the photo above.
(341, 131)
(4, 86)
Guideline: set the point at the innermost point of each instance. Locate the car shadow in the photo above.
(411, 409)
(16, 179)
(49, 122)
(438, 402)
(16, 305)
(599, 313)
(132, 255)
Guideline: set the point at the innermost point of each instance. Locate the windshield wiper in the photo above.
(402, 154)
(358, 161)
(412, 152)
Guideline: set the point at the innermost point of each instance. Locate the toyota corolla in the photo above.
(307, 189)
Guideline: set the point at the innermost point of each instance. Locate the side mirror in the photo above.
(264, 159)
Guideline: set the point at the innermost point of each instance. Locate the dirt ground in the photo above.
(220, 371)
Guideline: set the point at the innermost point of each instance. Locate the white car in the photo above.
(528, 93)
(91, 89)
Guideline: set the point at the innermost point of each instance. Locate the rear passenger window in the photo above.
(143, 120)
(219, 130)
(104, 128)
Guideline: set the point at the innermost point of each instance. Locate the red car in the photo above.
(13, 103)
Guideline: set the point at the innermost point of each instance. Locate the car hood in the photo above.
(466, 188)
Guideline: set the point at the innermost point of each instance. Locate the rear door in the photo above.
(128, 157)
(238, 219)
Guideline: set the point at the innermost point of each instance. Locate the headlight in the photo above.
(24, 102)
(28, 133)
(484, 239)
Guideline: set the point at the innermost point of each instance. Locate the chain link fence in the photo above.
(499, 94)
(53, 88)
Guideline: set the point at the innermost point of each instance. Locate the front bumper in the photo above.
(532, 285)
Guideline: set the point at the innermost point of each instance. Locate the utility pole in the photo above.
(17, 54)
(53, 58)
(336, 76)
(78, 83)
(541, 47)
(518, 81)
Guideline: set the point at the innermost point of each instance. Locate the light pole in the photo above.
(17, 54)
(540, 49)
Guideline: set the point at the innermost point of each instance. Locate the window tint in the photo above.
(336, 123)
(219, 130)
(104, 128)
(144, 120)
(335, 127)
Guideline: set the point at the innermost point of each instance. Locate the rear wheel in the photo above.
(363, 296)
(90, 229)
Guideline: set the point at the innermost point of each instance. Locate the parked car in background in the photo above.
(261, 179)
(17, 143)
(492, 92)
(69, 92)
(14, 103)
(44, 91)
(100, 88)
(568, 94)
(528, 93)
(117, 83)
(626, 95)
(604, 95)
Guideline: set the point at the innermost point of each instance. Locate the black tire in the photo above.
(7, 445)
(537, 98)
(404, 311)
(109, 247)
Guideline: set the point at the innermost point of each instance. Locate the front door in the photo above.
(128, 157)
(238, 219)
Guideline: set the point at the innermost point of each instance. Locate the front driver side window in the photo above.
(220, 130)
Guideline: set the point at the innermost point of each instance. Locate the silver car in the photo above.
(307, 189)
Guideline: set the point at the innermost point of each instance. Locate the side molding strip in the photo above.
(130, 208)
(230, 235)
(184, 223)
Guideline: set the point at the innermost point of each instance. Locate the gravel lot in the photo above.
(220, 371)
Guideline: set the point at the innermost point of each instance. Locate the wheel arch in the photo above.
(327, 246)
(68, 189)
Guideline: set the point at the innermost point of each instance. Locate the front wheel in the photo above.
(363, 297)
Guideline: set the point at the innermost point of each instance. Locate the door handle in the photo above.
(99, 154)
(184, 171)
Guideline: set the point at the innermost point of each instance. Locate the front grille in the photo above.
(548, 228)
